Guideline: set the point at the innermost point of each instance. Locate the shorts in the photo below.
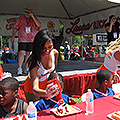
(25, 46)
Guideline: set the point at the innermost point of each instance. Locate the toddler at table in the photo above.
(47, 104)
(9, 104)
(105, 79)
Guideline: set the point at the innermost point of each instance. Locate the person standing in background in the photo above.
(112, 28)
(82, 50)
(66, 51)
(27, 29)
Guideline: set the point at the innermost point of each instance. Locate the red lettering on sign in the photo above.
(78, 29)
(99, 24)
(10, 23)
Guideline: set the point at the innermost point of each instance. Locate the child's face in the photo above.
(6, 96)
(110, 82)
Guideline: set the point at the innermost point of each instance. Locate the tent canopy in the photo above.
(63, 9)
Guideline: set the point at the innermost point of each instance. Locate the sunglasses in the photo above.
(114, 18)
(50, 48)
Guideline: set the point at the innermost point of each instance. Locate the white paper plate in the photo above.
(74, 108)
(117, 96)
(110, 116)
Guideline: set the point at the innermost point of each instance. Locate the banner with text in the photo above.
(89, 24)
(7, 22)
(99, 39)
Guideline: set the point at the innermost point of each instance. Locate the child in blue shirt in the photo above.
(47, 104)
(105, 79)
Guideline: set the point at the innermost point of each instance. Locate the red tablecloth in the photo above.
(112, 100)
(103, 107)
(77, 84)
(74, 85)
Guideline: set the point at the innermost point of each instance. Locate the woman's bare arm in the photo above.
(35, 83)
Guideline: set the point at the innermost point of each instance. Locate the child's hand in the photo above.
(72, 101)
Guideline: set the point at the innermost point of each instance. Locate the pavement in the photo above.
(66, 68)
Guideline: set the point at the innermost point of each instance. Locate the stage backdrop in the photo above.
(89, 24)
(7, 22)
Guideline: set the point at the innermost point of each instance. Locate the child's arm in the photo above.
(72, 101)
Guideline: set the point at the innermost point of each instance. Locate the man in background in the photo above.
(82, 50)
(27, 29)
(66, 51)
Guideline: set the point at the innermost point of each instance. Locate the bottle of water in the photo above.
(89, 102)
(31, 111)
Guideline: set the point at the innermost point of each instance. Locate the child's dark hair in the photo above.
(9, 83)
(59, 77)
(103, 75)
(56, 75)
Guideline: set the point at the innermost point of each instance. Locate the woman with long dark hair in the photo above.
(41, 63)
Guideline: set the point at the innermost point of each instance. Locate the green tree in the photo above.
(5, 41)
(76, 41)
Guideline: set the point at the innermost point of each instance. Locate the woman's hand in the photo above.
(31, 14)
(111, 22)
(51, 90)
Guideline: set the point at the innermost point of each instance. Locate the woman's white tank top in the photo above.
(43, 71)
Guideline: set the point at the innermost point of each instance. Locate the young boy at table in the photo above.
(105, 79)
(47, 104)
(9, 104)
